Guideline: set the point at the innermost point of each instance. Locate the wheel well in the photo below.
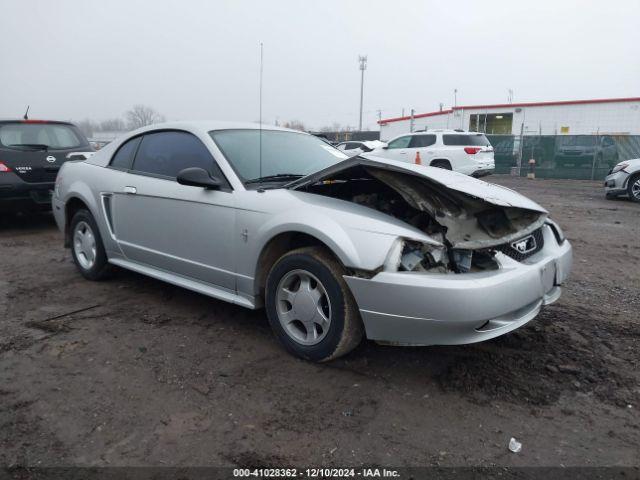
(278, 246)
(71, 207)
(631, 178)
(435, 161)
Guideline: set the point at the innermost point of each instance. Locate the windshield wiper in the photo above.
(34, 146)
(277, 177)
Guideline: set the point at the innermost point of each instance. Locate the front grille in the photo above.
(511, 251)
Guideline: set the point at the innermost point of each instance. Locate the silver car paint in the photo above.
(163, 232)
(616, 183)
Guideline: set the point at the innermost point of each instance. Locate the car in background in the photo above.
(624, 179)
(577, 151)
(31, 153)
(353, 148)
(465, 152)
(334, 248)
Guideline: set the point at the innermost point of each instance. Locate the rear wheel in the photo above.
(310, 308)
(633, 188)
(441, 164)
(87, 248)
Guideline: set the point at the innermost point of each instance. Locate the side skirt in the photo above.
(188, 283)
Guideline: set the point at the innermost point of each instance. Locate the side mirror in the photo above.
(198, 177)
(365, 149)
(385, 147)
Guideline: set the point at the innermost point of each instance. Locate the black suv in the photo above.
(31, 153)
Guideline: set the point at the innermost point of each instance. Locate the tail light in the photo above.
(472, 150)
(4, 168)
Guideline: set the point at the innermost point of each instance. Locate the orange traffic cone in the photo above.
(418, 160)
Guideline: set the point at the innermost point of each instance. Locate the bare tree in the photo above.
(141, 116)
(112, 125)
(87, 126)
(294, 125)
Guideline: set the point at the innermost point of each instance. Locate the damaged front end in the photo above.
(469, 221)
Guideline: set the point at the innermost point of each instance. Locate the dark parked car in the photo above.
(581, 150)
(31, 153)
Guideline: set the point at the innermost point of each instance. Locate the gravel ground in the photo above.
(133, 371)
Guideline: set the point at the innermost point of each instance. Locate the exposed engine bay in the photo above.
(470, 231)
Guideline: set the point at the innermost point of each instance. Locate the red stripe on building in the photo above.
(515, 105)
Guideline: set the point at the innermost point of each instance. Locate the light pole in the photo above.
(363, 66)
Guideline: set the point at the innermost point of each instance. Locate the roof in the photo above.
(513, 105)
(21, 120)
(207, 126)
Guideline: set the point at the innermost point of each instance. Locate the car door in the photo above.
(177, 228)
(424, 144)
(398, 149)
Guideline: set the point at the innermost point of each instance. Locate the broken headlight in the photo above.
(557, 231)
(412, 256)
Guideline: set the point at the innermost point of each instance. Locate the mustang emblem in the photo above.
(525, 245)
(50, 159)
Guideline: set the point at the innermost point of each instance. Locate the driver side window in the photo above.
(167, 153)
(402, 142)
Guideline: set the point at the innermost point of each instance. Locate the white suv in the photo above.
(465, 152)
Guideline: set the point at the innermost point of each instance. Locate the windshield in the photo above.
(283, 153)
(579, 141)
(41, 135)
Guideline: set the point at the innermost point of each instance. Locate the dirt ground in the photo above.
(146, 373)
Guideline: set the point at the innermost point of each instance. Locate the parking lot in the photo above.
(133, 371)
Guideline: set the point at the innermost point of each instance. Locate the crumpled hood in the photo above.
(472, 213)
(491, 193)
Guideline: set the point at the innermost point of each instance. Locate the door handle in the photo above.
(402, 153)
(130, 190)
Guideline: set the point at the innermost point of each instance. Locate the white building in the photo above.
(610, 116)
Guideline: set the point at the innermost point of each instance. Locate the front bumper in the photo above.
(616, 183)
(16, 194)
(409, 308)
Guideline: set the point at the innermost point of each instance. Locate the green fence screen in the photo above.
(581, 157)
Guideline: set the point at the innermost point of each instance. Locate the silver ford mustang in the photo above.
(334, 248)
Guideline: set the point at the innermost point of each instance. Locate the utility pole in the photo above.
(455, 97)
(363, 66)
(379, 116)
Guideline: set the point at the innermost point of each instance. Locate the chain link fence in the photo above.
(580, 157)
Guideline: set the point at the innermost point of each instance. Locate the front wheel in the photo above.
(633, 188)
(309, 306)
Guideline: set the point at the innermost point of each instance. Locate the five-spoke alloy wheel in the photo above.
(310, 307)
(634, 188)
(303, 308)
(86, 246)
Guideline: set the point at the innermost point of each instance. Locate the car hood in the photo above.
(488, 192)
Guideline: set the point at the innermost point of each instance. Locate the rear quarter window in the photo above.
(463, 140)
(419, 141)
(123, 158)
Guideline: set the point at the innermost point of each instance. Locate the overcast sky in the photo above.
(189, 59)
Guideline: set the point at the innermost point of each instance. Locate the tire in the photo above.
(633, 188)
(87, 248)
(300, 321)
(441, 164)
